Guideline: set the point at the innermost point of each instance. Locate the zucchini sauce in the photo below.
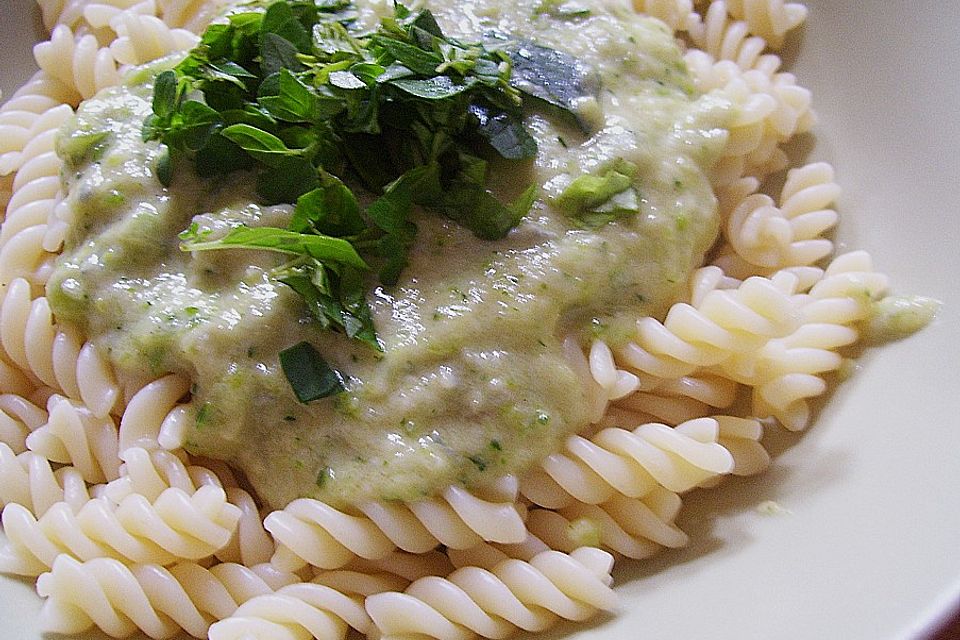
(472, 382)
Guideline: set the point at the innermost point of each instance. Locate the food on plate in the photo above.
(358, 314)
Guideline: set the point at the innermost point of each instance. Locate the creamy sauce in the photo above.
(473, 382)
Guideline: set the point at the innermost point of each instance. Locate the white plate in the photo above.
(869, 545)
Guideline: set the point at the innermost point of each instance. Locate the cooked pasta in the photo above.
(311, 532)
(29, 480)
(128, 532)
(175, 525)
(473, 601)
(160, 601)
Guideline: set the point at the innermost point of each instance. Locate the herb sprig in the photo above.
(322, 111)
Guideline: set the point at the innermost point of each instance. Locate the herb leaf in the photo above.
(318, 247)
(596, 199)
(555, 77)
(323, 112)
(310, 377)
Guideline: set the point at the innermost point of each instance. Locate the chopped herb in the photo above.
(593, 200)
(562, 9)
(555, 78)
(203, 415)
(325, 475)
(309, 375)
(319, 110)
(478, 462)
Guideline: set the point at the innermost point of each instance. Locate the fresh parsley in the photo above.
(323, 111)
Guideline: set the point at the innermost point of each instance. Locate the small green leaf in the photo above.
(164, 168)
(435, 88)
(332, 39)
(277, 53)
(410, 56)
(309, 375)
(555, 77)
(197, 123)
(323, 248)
(263, 146)
(505, 133)
(330, 209)
(280, 20)
(478, 210)
(165, 94)
(294, 102)
(346, 80)
(286, 180)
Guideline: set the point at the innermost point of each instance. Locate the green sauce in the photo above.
(472, 383)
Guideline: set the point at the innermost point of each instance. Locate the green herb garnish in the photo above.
(321, 111)
(311, 378)
(593, 200)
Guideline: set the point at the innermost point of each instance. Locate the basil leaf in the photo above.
(260, 144)
(294, 102)
(505, 133)
(478, 210)
(323, 248)
(279, 20)
(356, 315)
(165, 91)
(198, 123)
(413, 57)
(555, 77)
(219, 156)
(309, 375)
(435, 88)
(391, 210)
(227, 72)
(164, 169)
(330, 209)
(332, 39)
(287, 180)
(278, 53)
(346, 80)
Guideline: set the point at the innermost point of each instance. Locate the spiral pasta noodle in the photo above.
(766, 236)
(151, 472)
(633, 527)
(628, 463)
(175, 526)
(310, 532)
(769, 19)
(160, 601)
(324, 608)
(514, 594)
(18, 418)
(77, 62)
(29, 119)
(28, 479)
(73, 435)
